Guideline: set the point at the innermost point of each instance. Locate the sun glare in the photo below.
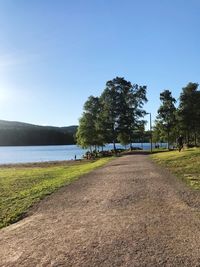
(5, 95)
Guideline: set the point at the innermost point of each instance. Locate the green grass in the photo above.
(22, 186)
(184, 164)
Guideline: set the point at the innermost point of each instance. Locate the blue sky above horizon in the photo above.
(54, 54)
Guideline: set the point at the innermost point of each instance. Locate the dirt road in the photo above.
(128, 213)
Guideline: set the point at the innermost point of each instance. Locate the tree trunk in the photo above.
(188, 138)
(195, 138)
(114, 146)
(168, 140)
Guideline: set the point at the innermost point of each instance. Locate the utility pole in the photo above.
(151, 132)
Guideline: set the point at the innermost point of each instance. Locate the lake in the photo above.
(25, 154)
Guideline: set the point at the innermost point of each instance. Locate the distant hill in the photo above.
(13, 133)
(70, 129)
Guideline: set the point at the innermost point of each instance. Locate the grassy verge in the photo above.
(184, 164)
(21, 186)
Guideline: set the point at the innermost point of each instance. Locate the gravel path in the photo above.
(127, 213)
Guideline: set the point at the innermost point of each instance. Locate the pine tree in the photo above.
(167, 115)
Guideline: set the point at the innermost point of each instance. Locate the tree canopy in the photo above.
(166, 119)
(183, 120)
(114, 116)
(117, 115)
(189, 112)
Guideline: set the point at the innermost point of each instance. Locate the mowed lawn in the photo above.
(184, 164)
(21, 186)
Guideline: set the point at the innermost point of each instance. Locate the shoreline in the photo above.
(42, 163)
(64, 162)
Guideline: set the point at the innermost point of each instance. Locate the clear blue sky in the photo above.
(55, 53)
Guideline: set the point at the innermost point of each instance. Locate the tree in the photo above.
(167, 115)
(131, 112)
(115, 115)
(109, 117)
(158, 134)
(189, 112)
(88, 134)
(122, 105)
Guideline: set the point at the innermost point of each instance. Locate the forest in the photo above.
(179, 117)
(24, 134)
(118, 115)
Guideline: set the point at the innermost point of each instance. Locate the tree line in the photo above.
(117, 115)
(22, 134)
(183, 119)
(114, 116)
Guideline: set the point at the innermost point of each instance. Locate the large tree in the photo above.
(114, 116)
(166, 119)
(122, 105)
(189, 112)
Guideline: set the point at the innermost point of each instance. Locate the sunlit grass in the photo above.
(20, 187)
(184, 164)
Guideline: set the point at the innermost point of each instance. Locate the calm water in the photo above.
(24, 154)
